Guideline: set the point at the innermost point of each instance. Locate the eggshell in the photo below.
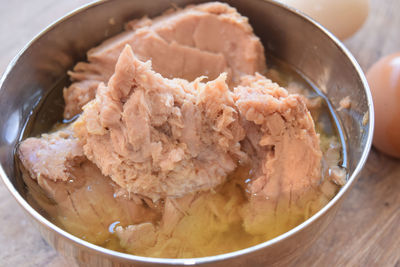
(384, 80)
(342, 17)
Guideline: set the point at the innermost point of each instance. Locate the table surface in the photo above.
(365, 231)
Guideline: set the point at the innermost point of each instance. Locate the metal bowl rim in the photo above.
(192, 261)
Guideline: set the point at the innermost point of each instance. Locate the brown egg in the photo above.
(384, 80)
(342, 17)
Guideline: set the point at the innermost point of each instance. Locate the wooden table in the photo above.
(365, 232)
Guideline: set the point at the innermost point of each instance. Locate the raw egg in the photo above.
(342, 17)
(384, 80)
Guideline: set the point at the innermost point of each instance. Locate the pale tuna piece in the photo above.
(83, 201)
(206, 39)
(51, 156)
(158, 137)
(145, 238)
(281, 137)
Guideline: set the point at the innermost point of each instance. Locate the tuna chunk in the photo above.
(280, 137)
(51, 156)
(206, 39)
(74, 193)
(158, 137)
(147, 238)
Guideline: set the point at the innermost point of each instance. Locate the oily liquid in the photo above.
(219, 221)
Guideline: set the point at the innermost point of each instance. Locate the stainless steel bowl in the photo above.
(286, 34)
